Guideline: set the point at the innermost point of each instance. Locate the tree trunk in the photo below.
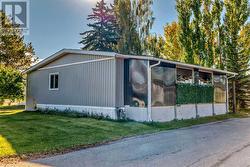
(234, 97)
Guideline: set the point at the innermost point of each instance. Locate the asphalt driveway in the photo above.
(217, 144)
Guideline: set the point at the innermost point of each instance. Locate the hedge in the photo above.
(194, 93)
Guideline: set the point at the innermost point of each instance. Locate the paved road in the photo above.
(217, 144)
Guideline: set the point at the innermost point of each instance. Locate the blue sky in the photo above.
(56, 24)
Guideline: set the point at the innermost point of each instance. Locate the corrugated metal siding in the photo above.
(91, 84)
(119, 82)
(73, 58)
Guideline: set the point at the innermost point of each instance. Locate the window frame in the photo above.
(50, 74)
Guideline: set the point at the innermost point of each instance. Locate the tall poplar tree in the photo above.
(208, 27)
(134, 20)
(216, 42)
(184, 16)
(103, 34)
(236, 15)
(219, 45)
(129, 40)
(197, 34)
(202, 34)
(144, 18)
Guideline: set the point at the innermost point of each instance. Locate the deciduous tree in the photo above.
(129, 40)
(134, 20)
(155, 46)
(198, 42)
(173, 49)
(144, 18)
(184, 17)
(219, 44)
(11, 84)
(209, 35)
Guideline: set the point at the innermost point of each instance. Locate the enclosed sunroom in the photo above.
(161, 90)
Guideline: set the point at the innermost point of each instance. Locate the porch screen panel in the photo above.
(136, 83)
(219, 88)
(184, 75)
(205, 78)
(163, 86)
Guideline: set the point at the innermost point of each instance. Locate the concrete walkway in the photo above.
(216, 144)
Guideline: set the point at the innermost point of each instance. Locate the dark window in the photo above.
(219, 88)
(56, 81)
(163, 86)
(53, 82)
(184, 76)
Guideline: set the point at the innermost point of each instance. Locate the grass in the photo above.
(30, 133)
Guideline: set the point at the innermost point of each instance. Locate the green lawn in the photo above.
(27, 133)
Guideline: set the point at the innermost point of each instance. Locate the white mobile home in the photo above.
(145, 88)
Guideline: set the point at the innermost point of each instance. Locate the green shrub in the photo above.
(72, 113)
(194, 93)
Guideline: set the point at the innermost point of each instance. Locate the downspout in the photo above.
(150, 90)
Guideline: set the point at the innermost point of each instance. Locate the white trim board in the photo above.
(67, 51)
(174, 62)
(77, 63)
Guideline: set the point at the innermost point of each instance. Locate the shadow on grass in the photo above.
(32, 132)
(18, 107)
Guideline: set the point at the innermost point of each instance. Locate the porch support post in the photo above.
(227, 97)
(149, 93)
(213, 111)
(150, 89)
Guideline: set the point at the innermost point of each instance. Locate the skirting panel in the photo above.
(205, 110)
(159, 114)
(104, 111)
(136, 113)
(220, 109)
(186, 111)
(163, 114)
